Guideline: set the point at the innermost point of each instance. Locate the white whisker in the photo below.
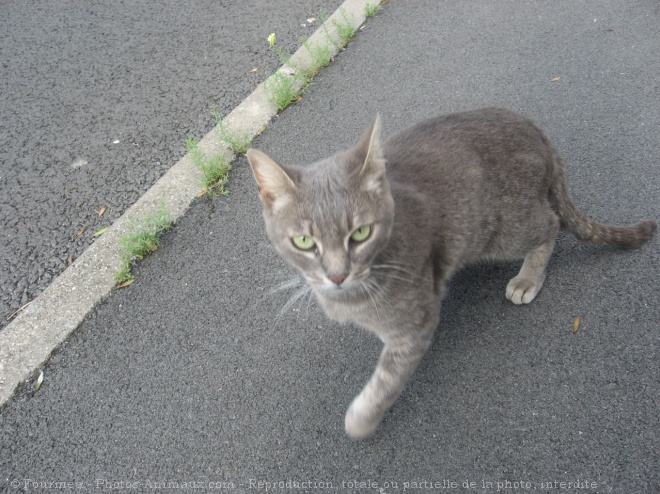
(288, 284)
(379, 290)
(401, 273)
(365, 287)
(309, 299)
(294, 298)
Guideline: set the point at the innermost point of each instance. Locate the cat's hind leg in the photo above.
(526, 285)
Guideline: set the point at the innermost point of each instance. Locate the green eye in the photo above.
(303, 242)
(361, 234)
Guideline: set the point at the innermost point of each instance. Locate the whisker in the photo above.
(288, 284)
(379, 290)
(365, 287)
(309, 300)
(400, 272)
(294, 298)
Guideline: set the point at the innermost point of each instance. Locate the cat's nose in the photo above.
(337, 279)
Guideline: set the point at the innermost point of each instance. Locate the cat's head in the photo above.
(329, 219)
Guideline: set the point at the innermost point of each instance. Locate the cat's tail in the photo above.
(587, 230)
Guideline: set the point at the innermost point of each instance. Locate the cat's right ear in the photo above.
(369, 153)
(275, 185)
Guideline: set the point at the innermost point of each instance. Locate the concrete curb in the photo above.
(27, 343)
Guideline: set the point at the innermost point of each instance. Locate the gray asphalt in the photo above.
(96, 102)
(189, 376)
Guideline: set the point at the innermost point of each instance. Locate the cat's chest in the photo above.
(370, 312)
(357, 309)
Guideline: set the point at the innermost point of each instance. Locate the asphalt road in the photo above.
(96, 102)
(189, 376)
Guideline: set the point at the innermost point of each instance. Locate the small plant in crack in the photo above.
(371, 9)
(239, 144)
(140, 241)
(215, 170)
(345, 28)
(282, 89)
(321, 57)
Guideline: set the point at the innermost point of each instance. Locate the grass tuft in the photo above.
(371, 9)
(282, 89)
(344, 28)
(321, 57)
(239, 144)
(215, 170)
(140, 241)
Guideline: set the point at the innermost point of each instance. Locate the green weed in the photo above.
(282, 89)
(140, 241)
(215, 170)
(345, 29)
(239, 144)
(321, 57)
(371, 9)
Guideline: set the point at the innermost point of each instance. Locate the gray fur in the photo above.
(444, 193)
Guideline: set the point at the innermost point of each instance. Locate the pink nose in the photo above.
(337, 279)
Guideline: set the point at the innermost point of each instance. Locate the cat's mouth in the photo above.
(348, 284)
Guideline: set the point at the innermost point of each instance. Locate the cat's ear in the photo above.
(275, 185)
(369, 152)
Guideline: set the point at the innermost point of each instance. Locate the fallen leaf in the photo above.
(311, 19)
(556, 79)
(40, 380)
(101, 231)
(82, 230)
(271, 40)
(576, 325)
(126, 283)
(70, 260)
(103, 210)
(261, 130)
(298, 99)
(254, 70)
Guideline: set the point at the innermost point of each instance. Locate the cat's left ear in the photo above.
(275, 185)
(368, 151)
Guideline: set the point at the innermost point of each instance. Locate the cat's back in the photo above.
(469, 142)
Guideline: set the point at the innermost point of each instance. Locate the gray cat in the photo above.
(378, 231)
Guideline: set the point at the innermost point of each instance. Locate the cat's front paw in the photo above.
(361, 421)
(523, 289)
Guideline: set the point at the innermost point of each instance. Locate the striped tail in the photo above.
(587, 230)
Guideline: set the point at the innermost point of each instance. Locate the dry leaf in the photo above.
(576, 325)
(311, 19)
(101, 231)
(298, 99)
(40, 380)
(82, 230)
(254, 70)
(126, 283)
(69, 260)
(261, 130)
(556, 79)
(103, 210)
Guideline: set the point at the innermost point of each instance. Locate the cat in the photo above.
(378, 230)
